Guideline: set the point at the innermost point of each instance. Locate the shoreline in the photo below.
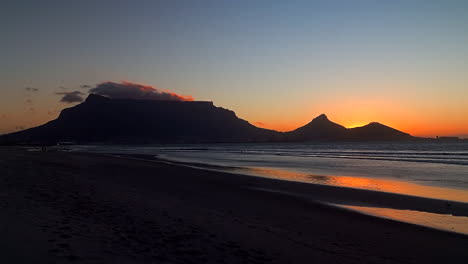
(90, 208)
(439, 206)
(454, 222)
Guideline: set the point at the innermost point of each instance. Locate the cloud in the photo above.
(85, 86)
(128, 90)
(63, 87)
(31, 89)
(32, 109)
(71, 97)
(19, 127)
(29, 101)
(258, 123)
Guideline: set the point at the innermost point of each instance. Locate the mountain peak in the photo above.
(321, 117)
(375, 124)
(377, 131)
(320, 128)
(95, 98)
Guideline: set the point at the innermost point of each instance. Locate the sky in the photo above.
(277, 64)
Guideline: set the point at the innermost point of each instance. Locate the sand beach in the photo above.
(59, 207)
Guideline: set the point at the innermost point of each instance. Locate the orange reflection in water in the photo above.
(382, 185)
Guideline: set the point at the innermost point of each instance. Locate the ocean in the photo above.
(427, 169)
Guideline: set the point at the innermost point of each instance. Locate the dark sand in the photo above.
(88, 208)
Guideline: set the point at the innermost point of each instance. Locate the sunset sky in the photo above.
(277, 64)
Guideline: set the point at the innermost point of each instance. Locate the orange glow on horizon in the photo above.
(277, 127)
(417, 129)
(356, 112)
(358, 124)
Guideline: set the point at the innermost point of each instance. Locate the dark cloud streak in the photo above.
(128, 90)
(71, 97)
(31, 89)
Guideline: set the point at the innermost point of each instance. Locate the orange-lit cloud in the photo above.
(258, 123)
(129, 90)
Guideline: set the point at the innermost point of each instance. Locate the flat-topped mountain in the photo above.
(102, 120)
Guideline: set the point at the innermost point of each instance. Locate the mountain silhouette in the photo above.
(377, 131)
(102, 120)
(320, 128)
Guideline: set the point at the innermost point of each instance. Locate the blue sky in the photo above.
(276, 62)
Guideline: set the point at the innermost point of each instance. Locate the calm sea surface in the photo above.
(435, 164)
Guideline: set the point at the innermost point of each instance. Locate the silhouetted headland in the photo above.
(102, 120)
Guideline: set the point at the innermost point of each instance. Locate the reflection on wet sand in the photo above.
(447, 222)
(452, 223)
(381, 185)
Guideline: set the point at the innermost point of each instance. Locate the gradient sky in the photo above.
(275, 63)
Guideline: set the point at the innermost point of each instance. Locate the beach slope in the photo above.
(88, 208)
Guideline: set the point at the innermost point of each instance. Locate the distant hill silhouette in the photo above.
(102, 120)
(377, 131)
(320, 128)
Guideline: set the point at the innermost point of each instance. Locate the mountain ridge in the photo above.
(103, 120)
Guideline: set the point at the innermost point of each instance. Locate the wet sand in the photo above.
(89, 208)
